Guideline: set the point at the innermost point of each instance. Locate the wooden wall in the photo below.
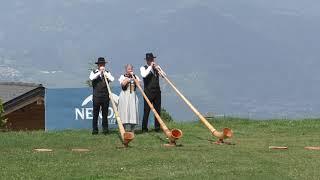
(30, 117)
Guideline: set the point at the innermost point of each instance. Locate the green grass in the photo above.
(198, 158)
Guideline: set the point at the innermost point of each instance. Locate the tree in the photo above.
(3, 121)
(165, 115)
(92, 67)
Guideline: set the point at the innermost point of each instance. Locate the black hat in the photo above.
(101, 60)
(149, 56)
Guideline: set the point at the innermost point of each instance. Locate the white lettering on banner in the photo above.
(111, 113)
(86, 113)
(89, 113)
(79, 113)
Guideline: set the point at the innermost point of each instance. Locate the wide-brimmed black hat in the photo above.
(101, 60)
(149, 56)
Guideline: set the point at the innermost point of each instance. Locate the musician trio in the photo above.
(128, 104)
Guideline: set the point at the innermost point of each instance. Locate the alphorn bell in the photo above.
(172, 135)
(126, 137)
(227, 132)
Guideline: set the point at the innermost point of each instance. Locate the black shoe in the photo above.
(157, 130)
(145, 130)
(95, 132)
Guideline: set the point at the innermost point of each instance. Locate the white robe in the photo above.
(128, 105)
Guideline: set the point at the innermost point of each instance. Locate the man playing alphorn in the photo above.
(100, 95)
(152, 89)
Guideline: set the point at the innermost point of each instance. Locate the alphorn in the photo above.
(126, 137)
(172, 135)
(227, 132)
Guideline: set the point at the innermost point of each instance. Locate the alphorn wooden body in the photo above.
(173, 134)
(227, 132)
(126, 137)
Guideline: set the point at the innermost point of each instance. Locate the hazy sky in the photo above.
(241, 56)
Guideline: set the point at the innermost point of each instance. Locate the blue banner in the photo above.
(71, 108)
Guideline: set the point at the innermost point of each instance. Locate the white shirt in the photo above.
(95, 74)
(122, 78)
(145, 72)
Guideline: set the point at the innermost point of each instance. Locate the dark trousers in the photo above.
(155, 98)
(98, 103)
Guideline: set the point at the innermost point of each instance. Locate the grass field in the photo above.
(197, 158)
